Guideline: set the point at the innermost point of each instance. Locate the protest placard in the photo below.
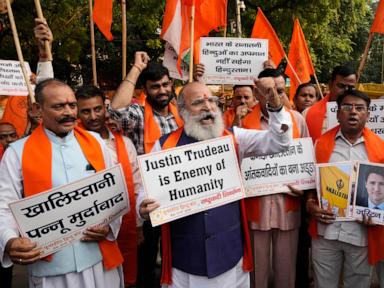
(58, 217)
(334, 188)
(369, 192)
(376, 117)
(11, 78)
(191, 178)
(232, 60)
(170, 61)
(270, 174)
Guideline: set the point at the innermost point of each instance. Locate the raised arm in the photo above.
(42, 34)
(124, 92)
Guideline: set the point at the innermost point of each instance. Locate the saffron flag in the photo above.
(209, 15)
(102, 15)
(263, 29)
(15, 112)
(334, 190)
(300, 59)
(378, 22)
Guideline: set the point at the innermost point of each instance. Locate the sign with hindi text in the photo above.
(232, 60)
(58, 217)
(334, 188)
(191, 178)
(11, 78)
(376, 117)
(270, 174)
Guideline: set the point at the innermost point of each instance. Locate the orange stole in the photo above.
(166, 273)
(374, 145)
(127, 238)
(228, 117)
(315, 117)
(252, 121)
(151, 129)
(38, 151)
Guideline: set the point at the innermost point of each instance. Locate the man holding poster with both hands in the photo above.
(218, 252)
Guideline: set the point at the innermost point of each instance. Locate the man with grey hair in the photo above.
(212, 248)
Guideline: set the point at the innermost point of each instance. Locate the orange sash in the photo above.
(228, 117)
(374, 145)
(38, 152)
(315, 117)
(252, 121)
(1, 151)
(127, 238)
(151, 128)
(166, 273)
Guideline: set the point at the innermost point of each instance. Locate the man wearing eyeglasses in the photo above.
(144, 125)
(211, 249)
(343, 78)
(342, 248)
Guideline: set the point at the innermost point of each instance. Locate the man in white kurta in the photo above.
(77, 265)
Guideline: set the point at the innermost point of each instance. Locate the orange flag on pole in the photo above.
(102, 15)
(263, 29)
(15, 112)
(209, 15)
(300, 59)
(378, 22)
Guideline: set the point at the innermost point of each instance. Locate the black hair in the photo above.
(343, 70)
(241, 86)
(153, 72)
(354, 93)
(270, 72)
(39, 95)
(303, 85)
(374, 170)
(89, 91)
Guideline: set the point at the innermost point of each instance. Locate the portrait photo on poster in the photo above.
(369, 193)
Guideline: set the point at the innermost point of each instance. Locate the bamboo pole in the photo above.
(192, 42)
(365, 55)
(41, 16)
(124, 38)
(19, 52)
(382, 63)
(318, 85)
(93, 51)
(222, 85)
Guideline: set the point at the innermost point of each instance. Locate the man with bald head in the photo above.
(212, 248)
(55, 154)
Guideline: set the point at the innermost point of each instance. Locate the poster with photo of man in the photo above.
(369, 194)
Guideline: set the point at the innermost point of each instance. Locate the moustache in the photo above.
(206, 116)
(66, 119)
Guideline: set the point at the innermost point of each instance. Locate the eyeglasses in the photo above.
(212, 100)
(349, 107)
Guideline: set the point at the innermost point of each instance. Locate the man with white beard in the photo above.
(212, 248)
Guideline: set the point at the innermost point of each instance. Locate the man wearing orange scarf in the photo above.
(243, 101)
(211, 249)
(92, 113)
(57, 153)
(343, 78)
(144, 125)
(274, 219)
(340, 248)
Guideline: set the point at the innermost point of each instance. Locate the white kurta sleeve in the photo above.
(44, 71)
(10, 190)
(260, 142)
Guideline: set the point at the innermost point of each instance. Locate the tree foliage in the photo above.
(336, 32)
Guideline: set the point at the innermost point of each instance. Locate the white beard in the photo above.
(195, 129)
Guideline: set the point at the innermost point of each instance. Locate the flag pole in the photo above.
(124, 38)
(290, 66)
(364, 57)
(93, 51)
(192, 36)
(19, 52)
(318, 85)
(222, 85)
(41, 16)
